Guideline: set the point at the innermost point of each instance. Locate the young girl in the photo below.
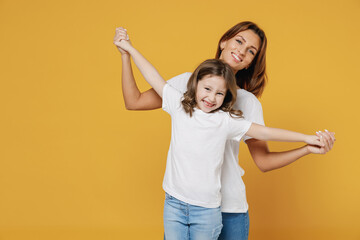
(202, 120)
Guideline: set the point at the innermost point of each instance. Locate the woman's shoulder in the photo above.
(181, 77)
(250, 106)
(246, 98)
(180, 81)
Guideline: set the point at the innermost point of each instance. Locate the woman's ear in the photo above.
(223, 44)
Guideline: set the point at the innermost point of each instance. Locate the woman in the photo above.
(243, 47)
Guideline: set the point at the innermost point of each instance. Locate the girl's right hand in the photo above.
(328, 138)
(321, 143)
(313, 140)
(122, 41)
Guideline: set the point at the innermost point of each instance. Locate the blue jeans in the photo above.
(183, 221)
(235, 226)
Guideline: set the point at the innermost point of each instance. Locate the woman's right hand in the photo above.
(122, 41)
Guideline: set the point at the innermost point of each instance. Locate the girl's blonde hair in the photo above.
(252, 79)
(212, 67)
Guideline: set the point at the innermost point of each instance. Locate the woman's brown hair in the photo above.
(252, 79)
(212, 67)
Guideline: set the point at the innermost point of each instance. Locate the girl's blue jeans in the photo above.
(188, 222)
(235, 226)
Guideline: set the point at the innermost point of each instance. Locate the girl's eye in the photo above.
(221, 94)
(252, 52)
(207, 89)
(239, 41)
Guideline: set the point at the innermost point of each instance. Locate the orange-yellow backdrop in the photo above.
(76, 165)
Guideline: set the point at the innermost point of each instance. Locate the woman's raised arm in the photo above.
(149, 72)
(133, 98)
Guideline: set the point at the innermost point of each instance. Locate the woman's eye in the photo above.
(220, 93)
(207, 89)
(239, 41)
(252, 52)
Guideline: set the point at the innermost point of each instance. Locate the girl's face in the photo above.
(240, 50)
(210, 93)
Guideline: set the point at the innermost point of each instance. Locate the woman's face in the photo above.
(240, 50)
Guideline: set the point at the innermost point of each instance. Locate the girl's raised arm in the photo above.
(150, 74)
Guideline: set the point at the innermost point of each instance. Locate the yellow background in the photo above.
(76, 165)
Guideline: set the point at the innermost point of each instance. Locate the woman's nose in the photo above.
(241, 50)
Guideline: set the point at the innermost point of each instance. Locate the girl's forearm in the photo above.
(277, 134)
(274, 134)
(149, 72)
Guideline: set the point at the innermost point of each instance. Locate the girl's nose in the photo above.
(212, 98)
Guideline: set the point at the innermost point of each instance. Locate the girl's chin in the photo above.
(207, 109)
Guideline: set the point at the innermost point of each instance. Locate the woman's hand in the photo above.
(120, 35)
(327, 138)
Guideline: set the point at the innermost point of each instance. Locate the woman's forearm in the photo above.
(267, 161)
(130, 90)
(133, 98)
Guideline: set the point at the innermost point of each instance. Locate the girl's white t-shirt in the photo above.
(196, 153)
(232, 186)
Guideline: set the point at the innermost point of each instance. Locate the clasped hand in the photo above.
(122, 40)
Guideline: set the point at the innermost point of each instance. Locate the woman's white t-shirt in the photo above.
(196, 153)
(232, 186)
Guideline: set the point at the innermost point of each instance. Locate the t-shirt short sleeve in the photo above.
(238, 127)
(253, 112)
(171, 99)
(179, 82)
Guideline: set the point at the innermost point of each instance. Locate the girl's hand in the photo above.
(313, 140)
(327, 138)
(120, 35)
